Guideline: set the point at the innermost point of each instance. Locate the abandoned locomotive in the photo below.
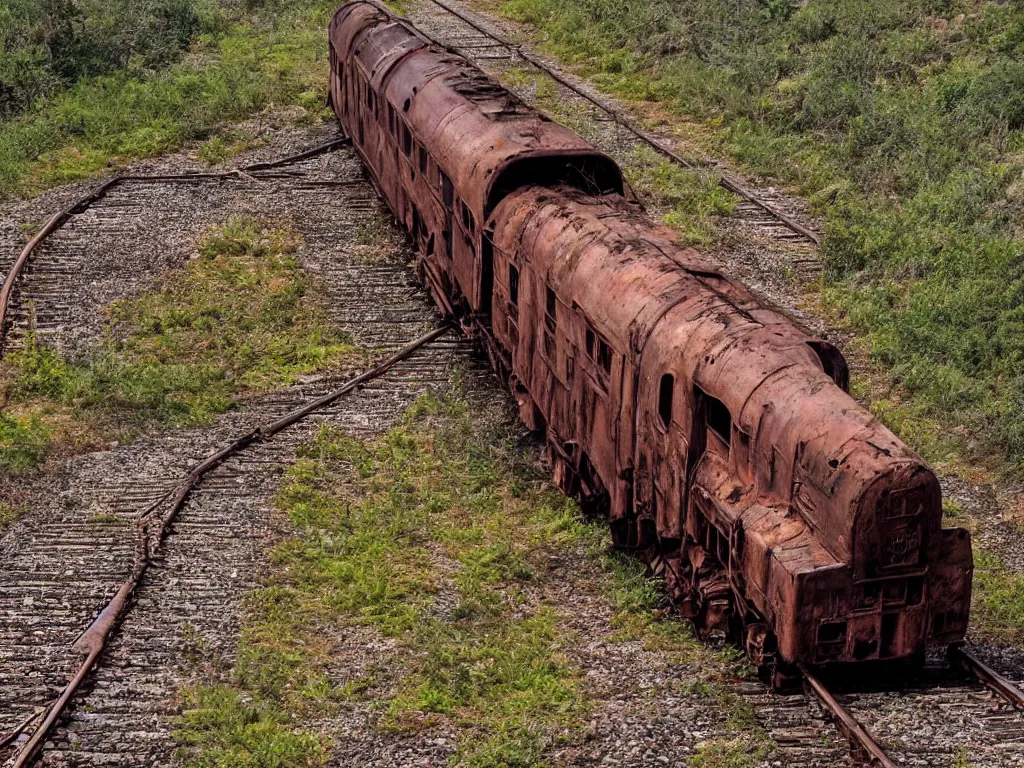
(717, 435)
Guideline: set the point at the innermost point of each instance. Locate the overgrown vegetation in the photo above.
(89, 85)
(904, 122)
(438, 536)
(8, 513)
(240, 317)
(998, 604)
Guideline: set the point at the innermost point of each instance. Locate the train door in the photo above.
(448, 201)
(669, 460)
(486, 273)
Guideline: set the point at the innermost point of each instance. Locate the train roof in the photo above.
(486, 139)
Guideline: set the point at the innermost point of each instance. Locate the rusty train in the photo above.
(717, 436)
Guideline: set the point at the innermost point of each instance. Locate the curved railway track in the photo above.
(255, 172)
(109, 542)
(62, 564)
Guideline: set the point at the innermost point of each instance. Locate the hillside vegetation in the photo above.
(89, 84)
(903, 120)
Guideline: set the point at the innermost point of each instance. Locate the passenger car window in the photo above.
(513, 284)
(719, 420)
(665, 391)
(604, 356)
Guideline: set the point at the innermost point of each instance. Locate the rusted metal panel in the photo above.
(717, 433)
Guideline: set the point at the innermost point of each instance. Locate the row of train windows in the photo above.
(597, 349)
(403, 136)
(716, 414)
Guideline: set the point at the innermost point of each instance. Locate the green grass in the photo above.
(241, 317)
(220, 729)
(447, 504)
(998, 602)
(8, 514)
(220, 149)
(902, 121)
(240, 61)
(24, 441)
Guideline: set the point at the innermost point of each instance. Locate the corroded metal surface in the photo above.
(716, 434)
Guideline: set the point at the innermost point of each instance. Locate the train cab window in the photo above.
(423, 160)
(513, 284)
(718, 418)
(597, 349)
(604, 356)
(447, 190)
(406, 140)
(665, 390)
(550, 321)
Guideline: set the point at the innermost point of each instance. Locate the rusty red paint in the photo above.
(716, 434)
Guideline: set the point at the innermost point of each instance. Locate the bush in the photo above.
(46, 45)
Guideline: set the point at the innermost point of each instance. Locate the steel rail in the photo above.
(13, 734)
(152, 530)
(862, 743)
(252, 172)
(967, 661)
(725, 180)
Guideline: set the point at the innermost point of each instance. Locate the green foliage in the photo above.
(998, 601)
(243, 62)
(241, 317)
(732, 753)
(8, 514)
(692, 198)
(24, 442)
(220, 728)
(47, 45)
(904, 122)
(220, 149)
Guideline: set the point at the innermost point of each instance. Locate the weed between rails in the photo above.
(437, 536)
(240, 317)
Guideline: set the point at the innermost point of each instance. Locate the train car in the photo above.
(717, 436)
(445, 143)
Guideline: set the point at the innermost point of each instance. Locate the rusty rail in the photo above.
(253, 172)
(863, 745)
(151, 530)
(726, 180)
(975, 666)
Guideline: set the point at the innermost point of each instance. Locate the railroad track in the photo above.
(59, 276)
(74, 561)
(986, 705)
(63, 563)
